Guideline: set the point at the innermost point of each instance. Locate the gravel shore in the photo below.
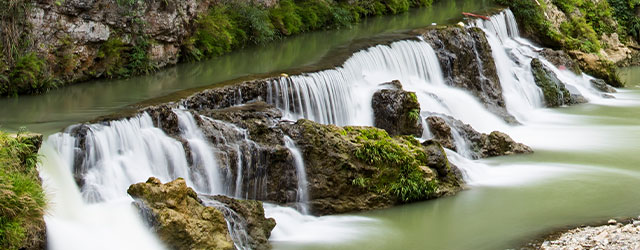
(609, 237)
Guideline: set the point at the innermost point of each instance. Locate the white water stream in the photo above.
(120, 153)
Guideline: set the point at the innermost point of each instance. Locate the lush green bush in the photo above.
(22, 200)
(398, 160)
(625, 15)
(580, 36)
(28, 75)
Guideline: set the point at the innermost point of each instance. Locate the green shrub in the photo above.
(22, 200)
(580, 36)
(398, 160)
(112, 58)
(285, 18)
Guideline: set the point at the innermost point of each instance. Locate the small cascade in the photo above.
(237, 225)
(204, 163)
(302, 193)
(342, 96)
(107, 158)
(513, 55)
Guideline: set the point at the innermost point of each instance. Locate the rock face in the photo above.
(397, 112)
(361, 168)
(479, 144)
(251, 215)
(554, 91)
(560, 59)
(466, 61)
(178, 216)
(597, 67)
(602, 86)
(183, 222)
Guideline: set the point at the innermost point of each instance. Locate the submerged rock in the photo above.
(397, 112)
(554, 91)
(182, 222)
(479, 144)
(602, 86)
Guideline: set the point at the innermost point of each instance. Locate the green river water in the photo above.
(586, 172)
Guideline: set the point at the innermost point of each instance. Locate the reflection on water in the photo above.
(62, 107)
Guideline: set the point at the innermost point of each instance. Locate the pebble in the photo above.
(614, 236)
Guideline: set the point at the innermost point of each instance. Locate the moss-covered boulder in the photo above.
(363, 168)
(178, 216)
(22, 199)
(554, 91)
(397, 111)
(480, 145)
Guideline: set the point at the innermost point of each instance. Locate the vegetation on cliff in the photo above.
(581, 26)
(138, 37)
(22, 201)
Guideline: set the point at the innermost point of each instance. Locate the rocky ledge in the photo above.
(181, 220)
(445, 129)
(615, 236)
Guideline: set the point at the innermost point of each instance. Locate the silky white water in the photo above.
(120, 153)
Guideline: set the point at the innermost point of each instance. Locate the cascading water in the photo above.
(342, 96)
(202, 156)
(303, 194)
(236, 225)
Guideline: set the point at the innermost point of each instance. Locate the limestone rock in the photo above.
(178, 216)
(467, 63)
(602, 86)
(397, 112)
(597, 67)
(560, 59)
(481, 145)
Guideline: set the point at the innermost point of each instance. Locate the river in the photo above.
(584, 168)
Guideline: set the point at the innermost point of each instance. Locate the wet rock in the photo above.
(481, 145)
(554, 91)
(612, 222)
(560, 59)
(251, 214)
(346, 174)
(614, 236)
(441, 132)
(397, 112)
(467, 62)
(177, 215)
(395, 84)
(602, 86)
(597, 67)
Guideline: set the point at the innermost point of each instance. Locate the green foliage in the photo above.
(139, 61)
(22, 200)
(414, 115)
(580, 36)
(111, 55)
(531, 17)
(27, 75)
(398, 160)
(229, 26)
(624, 13)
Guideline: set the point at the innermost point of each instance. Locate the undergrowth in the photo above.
(22, 201)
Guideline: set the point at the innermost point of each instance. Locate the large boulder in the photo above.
(478, 145)
(560, 59)
(554, 91)
(181, 220)
(362, 168)
(598, 67)
(601, 85)
(467, 62)
(397, 112)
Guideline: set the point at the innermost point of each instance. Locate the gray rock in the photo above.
(397, 112)
(602, 86)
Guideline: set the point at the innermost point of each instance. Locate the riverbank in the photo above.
(613, 234)
(52, 44)
(22, 201)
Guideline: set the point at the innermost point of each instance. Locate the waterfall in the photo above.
(302, 193)
(512, 55)
(343, 96)
(204, 162)
(237, 225)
